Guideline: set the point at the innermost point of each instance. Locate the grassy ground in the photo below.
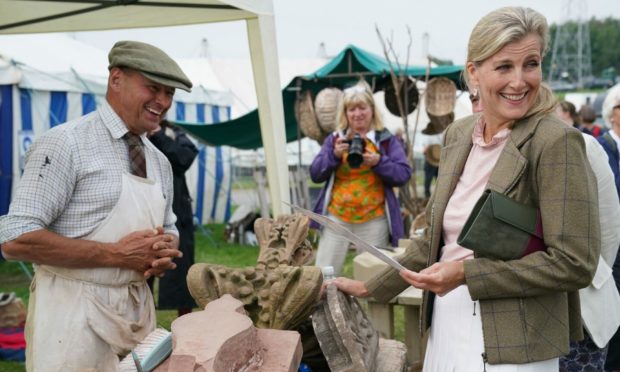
(210, 247)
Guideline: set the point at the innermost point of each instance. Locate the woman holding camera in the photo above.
(360, 163)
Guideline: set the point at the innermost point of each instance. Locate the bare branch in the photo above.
(409, 45)
(409, 190)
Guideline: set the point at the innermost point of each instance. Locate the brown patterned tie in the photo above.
(136, 155)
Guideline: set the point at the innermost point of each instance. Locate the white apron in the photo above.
(81, 319)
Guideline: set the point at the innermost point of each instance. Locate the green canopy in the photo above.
(348, 66)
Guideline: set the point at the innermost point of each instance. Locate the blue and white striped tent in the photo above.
(32, 101)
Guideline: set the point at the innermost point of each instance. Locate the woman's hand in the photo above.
(371, 159)
(441, 277)
(340, 147)
(351, 287)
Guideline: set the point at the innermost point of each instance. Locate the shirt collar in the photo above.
(113, 122)
(477, 136)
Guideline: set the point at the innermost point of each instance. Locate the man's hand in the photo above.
(441, 277)
(166, 250)
(148, 251)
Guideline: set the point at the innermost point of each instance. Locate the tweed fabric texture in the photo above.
(530, 306)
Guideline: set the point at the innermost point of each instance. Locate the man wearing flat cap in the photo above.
(93, 212)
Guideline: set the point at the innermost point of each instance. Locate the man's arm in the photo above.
(147, 251)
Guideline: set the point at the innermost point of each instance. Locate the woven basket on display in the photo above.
(432, 154)
(326, 108)
(440, 96)
(438, 123)
(413, 97)
(304, 113)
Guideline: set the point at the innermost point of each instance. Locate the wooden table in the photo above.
(382, 318)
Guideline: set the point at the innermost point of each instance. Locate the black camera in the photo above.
(356, 151)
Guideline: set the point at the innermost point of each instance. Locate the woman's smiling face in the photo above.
(359, 116)
(508, 81)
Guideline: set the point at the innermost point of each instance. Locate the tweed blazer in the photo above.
(529, 306)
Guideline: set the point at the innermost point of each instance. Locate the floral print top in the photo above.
(357, 195)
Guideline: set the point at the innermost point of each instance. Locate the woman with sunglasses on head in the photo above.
(360, 163)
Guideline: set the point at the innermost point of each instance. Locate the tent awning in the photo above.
(349, 65)
(34, 16)
(29, 16)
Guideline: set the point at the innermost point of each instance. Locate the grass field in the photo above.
(14, 279)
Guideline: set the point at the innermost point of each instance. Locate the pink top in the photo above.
(471, 185)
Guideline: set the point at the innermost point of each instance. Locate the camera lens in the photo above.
(356, 151)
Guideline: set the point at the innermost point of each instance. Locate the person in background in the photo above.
(588, 117)
(610, 141)
(431, 162)
(93, 212)
(481, 313)
(360, 163)
(181, 152)
(568, 113)
(600, 301)
(476, 105)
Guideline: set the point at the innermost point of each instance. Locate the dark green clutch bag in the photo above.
(501, 228)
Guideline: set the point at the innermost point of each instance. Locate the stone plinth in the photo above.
(222, 338)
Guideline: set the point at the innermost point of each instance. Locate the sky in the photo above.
(301, 26)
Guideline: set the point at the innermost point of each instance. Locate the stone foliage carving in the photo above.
(279, 292)
(348, 339)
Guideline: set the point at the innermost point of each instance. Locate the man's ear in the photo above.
(115, 78)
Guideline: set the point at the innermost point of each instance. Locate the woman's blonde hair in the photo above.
(504, 26)
(360, 93)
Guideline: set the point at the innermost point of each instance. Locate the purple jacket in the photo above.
(393, 169)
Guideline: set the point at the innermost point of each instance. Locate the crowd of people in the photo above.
(103, 206)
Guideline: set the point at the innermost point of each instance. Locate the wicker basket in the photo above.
(326, 108)
(304, 113)
(432, 154)
(413, 97)
(440, 96)
(438, 123)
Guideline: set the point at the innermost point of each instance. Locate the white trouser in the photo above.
(333, 247)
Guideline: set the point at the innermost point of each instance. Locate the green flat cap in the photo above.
(151, 61)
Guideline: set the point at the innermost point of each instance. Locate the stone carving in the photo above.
(222, 338)
(348, 339)
(279, 292)
(392, 356)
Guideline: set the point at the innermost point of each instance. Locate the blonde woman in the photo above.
(360, 163)
(484, 313)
